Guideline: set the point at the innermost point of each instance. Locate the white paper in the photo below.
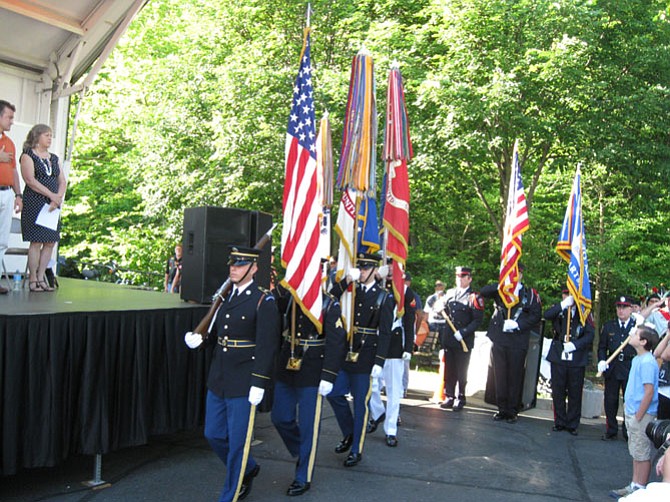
(48, 219)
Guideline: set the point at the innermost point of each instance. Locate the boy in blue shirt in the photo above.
(640, 406)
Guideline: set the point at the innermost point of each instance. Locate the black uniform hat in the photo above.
(463, 271)
(240, 255)
(625, 301)
(367, 260)
(407, 276)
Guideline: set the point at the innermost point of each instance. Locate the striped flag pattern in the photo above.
(303, 197)
(516, 223)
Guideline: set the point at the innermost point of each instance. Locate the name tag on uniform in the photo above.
(566, 356)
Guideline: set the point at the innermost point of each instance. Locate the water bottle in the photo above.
(17, 281)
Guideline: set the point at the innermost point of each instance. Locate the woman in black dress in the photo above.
(45, 186)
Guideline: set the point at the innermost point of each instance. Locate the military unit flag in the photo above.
(571, 247)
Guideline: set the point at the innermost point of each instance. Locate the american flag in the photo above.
(571, 247)
(303, 197)
(516, 223)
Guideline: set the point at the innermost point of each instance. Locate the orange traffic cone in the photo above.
(439, 395)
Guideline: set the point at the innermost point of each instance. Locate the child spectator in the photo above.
(640, 406)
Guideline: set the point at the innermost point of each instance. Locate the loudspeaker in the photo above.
(208, 232)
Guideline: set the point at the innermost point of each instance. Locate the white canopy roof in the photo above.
(62, 39)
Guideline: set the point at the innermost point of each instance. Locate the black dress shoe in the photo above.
(391, 441)
(352, 459)
(448, 404)
(247, 481)
(459, 405)
(297, 488)
(371, 427)
(345, 444)
(499, 416)
(609, 437)
(572, 431)
(512, 419)
(558, 428)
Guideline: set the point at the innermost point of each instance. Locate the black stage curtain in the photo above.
(87, 383)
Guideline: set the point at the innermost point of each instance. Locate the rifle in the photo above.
(451, 325)
(217, 299)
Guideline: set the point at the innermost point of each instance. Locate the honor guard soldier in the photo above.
(246, 331)
(463, 310)
(308, 365)
(509, 330)
(613, 334)
(395, 349)
(568, 356)
(371, 310)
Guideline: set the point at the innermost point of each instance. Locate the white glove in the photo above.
(602, 366)
(256, 395)
(193, 340)
(354, 274)
(458, 336)
(376, 371)
(568, 302)
(383, 271)
(569, 347)
(638, 318)
(406, 356)
(325, 388)
(510, 325)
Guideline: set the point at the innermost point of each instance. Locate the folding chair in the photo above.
(15, 251)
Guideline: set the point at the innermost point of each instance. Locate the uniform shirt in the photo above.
(611, 337)
(7, 169)
(466, 311)
(644, 370)
(250, 316)
(401, 338)
(434, 307)
(581, 336)
(321, 362)
(527, 313)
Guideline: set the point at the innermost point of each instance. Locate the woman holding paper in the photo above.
(42, 198)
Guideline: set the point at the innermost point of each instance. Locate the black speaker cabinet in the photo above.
(208, 232)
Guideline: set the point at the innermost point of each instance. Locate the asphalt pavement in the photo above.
(442, 455)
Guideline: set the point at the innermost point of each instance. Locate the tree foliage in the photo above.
(191, 110)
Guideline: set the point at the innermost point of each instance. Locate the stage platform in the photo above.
(94, 367)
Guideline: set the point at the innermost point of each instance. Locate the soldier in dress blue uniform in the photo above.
(510, 334)
(373, 316)
(465, 309)
(612, 335)
(568, 356)
(246, 334)
(307, 368)
(395, 349)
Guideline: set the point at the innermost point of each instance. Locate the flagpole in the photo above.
(567, 328)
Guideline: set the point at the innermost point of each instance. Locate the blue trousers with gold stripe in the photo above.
(226, 424)
(358, 384)
(296, 413)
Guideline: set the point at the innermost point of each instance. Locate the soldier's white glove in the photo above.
(406, 356)
(383, 271)
(638, 318)
(256, 395)
(458, 336)
(568, 302)
(325, 388)
(569, 347)
(376, 371)
(193, 340)
(602, 366)
(354, 274)
(510, 325)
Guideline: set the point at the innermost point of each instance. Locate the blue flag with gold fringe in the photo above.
(571, 247)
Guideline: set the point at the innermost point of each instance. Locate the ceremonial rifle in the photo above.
(203, 327)
(615, 354)
(451, 325)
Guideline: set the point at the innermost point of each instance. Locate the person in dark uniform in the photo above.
(510, 334)
(395, 349)
(612, 335)
(568, 356)
(308, 365)
(465, 309)
(246, 331)
(372, 311)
